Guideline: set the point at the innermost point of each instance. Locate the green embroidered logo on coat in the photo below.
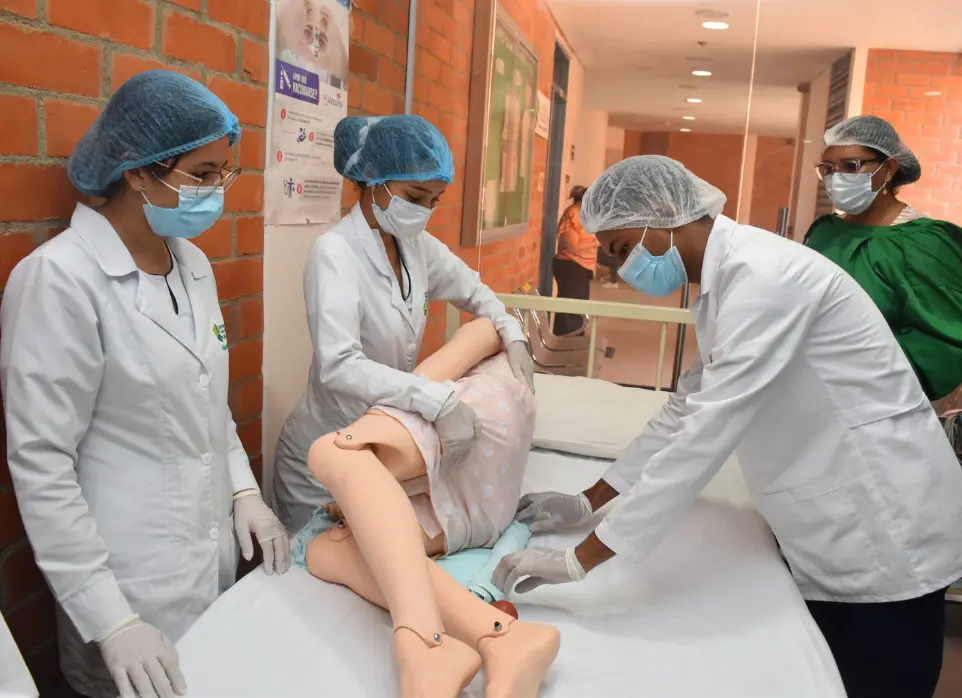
(425, 305)
(221, 334)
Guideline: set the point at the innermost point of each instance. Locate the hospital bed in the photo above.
(15, 679)
(713, 612)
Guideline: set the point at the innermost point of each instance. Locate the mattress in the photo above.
(713, 612)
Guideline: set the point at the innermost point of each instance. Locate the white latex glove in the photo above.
(553, 511)
(142, 662)
(522, 365)
(458, 429)
(540, 566)
(252, 516)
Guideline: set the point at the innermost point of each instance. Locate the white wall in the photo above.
(591, 141)
(747, 186)
(614, 146)
(811, 151)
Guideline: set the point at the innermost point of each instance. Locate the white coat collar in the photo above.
(112, 254)
(714, 251)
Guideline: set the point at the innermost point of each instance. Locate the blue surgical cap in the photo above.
(374, 150)
(153, 116)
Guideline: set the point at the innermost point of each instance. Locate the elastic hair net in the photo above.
(153, 116)
(878, 134)
(374, 150)
(648, 191)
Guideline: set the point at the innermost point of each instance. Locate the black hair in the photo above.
(900, 178)
(159, 169)
(577, 193)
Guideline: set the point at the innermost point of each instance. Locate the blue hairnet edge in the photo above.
(233, 133)
(413, 177)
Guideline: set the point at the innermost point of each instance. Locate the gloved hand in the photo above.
(458, 428)
(252, 516)
(540, 565)
(553, 511)
(142, 662)
(522, 365)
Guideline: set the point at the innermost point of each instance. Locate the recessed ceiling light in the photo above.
(933, 93)
(701, 73)
(693, 100)
(716, 26)
(688, 118)
(685, 130)
(711, 14)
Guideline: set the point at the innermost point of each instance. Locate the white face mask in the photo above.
(851, 193)
(401, 218)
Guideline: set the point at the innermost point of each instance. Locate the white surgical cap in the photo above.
(648, 191)
(878, 134)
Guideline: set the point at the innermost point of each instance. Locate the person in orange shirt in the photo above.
(574, 262)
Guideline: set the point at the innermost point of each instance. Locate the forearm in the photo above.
(591, 552)
(470, 345)
(600, 494)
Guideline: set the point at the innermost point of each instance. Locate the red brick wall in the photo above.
(444, 45)
(896, 87)
(60, 60)
(714, 157)
(773, 180)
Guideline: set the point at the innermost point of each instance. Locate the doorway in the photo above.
(552, 192)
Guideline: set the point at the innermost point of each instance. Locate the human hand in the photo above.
(143, 662)
(458, 429)
(553, 511)
(522, 365)
(540, 566)
(252, 516)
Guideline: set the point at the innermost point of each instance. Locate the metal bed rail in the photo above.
(594, 310)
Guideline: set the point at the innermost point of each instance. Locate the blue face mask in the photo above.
(198, 208)
(654, 276)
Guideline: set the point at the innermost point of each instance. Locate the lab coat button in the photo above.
(213, 534)
(205, 459)
(204, 381)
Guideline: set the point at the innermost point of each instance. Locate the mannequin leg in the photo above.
(390, 540)
(471, 344)
(516, 655)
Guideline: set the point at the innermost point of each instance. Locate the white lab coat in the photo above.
(366, 342)
(799, 374)
(122, 448)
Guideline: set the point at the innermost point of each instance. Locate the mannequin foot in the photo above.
(433, 671)
(515, 661)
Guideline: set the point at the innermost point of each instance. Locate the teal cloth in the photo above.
(471, 568)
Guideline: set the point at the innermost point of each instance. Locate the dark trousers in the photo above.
(885, 650)
(574, 281)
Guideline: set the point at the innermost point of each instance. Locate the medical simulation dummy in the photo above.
(367, 284)
(442, 631)
(908, 263)
(114, 365)
(798, 373)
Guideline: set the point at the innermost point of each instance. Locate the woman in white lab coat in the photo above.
(133, 486)
(367, 285)
(799, 374)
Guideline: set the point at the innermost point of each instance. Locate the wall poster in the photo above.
(309, 98)
(503, 115)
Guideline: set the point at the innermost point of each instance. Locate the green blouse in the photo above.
(913, 272)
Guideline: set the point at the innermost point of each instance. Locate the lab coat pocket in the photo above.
(819, 529)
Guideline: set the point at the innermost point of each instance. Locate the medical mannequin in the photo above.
(440, 627)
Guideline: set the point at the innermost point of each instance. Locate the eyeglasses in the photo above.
(205, 185)
(845, 166)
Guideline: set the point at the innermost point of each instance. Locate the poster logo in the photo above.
(332, 101)
(298, 83)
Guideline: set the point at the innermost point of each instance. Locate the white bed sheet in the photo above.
(713, 612)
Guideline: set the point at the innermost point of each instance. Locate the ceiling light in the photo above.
(711, 14)
(701, 73)
(716, 26)
(685, 130)
(688, 118)
(933, 93)
(693, 100)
